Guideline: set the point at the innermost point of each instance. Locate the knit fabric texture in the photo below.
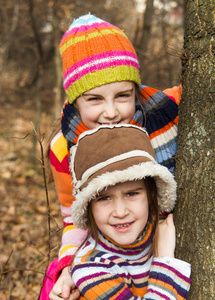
(113, 271)
(95, 52)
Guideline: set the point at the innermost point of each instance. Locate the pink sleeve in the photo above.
(72, 237)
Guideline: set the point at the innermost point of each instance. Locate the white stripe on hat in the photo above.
(114, 59)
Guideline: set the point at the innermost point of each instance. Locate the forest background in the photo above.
(31, 99)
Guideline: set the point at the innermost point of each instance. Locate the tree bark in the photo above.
(195, 163)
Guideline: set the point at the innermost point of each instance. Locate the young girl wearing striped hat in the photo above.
(102, 83)
(120, 190)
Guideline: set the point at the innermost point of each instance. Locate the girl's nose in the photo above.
(111, 110)
(120, 209)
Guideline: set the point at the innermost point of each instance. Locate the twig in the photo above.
(32, 270)
(53, 219)
(33, 247)
(10, 274)
(9, 256)
(40, 140)
(7, 262)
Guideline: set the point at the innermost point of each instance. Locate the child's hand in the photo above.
(165, 238)
(64, 288)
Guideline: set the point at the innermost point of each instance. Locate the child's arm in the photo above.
(95, 281)
(64, 286)
(164, 244)
(174, 93)
(169, 277)
(72, 237)
(161, 122)
(105, 285)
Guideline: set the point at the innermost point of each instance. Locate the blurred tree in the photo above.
(57, 15)
(160, 45)
(147, 24)
(30, 42)
(39, 74)
(58, 65)
(165, 40)
(9, 24)
(194, 214)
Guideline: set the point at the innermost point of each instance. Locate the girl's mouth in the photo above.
(111, 123)
(123, 227)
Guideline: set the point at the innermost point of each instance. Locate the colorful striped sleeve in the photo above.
(60, 168)
(95, 280)
(72, 237)
(168, 279)
(161, 111)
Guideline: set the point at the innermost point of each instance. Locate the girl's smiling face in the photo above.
(121, 211)
(112, 103)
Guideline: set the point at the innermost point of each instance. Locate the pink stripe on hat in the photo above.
(99, 56)
(97, 65)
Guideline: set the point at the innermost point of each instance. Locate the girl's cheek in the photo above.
(129, 110)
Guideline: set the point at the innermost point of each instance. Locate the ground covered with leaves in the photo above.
(25, 245)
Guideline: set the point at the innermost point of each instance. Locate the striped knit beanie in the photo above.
(112, 154)
(94, 53)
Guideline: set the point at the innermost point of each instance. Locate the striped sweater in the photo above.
(112, 272)
(160, 117)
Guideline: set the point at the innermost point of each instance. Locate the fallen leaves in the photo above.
(23, 215)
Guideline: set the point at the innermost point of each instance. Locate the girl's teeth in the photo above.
(114, 123)
(122, 225)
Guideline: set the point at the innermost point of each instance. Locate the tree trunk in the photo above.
(195, 163)
(7, 39)
(58, 66)
(147, 24)
(164, 31)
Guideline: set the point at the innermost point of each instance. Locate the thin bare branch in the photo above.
(40, 140)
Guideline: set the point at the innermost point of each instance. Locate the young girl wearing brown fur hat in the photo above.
(120, 191)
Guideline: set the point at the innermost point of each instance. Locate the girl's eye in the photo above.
(94, 99)
(131, 194)
(124, 95)
(105, 198)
